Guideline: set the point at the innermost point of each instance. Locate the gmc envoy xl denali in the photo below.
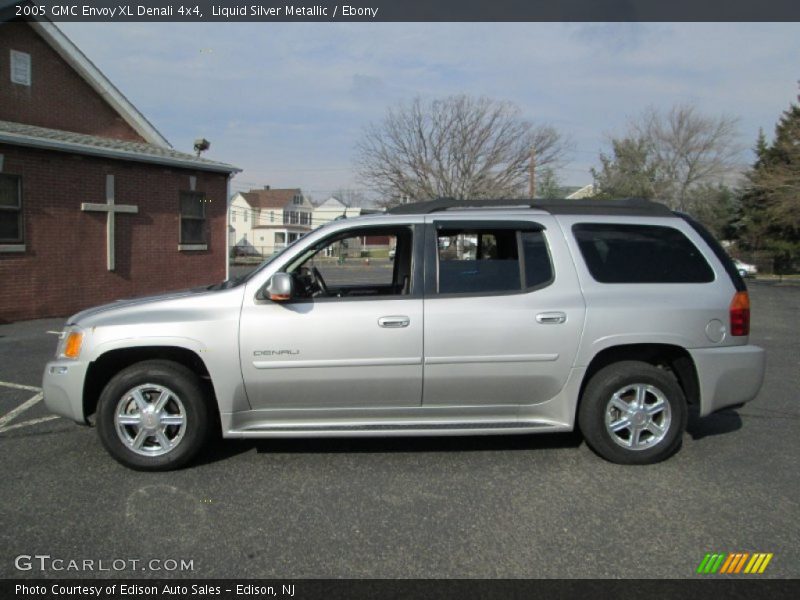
(490, 317)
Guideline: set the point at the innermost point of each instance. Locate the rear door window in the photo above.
(622, 253)
(478, 260)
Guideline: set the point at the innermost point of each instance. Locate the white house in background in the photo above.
(266, 220)
(333, 209)
(586, 191)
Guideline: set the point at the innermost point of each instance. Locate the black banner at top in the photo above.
(402, 10)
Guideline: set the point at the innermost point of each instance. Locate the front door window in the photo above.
(356, 264)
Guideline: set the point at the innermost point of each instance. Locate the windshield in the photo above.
(236, 281)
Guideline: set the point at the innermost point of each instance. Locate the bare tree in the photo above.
(668, 155)
(691, 148)
(458, 147)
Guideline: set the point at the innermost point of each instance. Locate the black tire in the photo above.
(188, 399)
(659, 387)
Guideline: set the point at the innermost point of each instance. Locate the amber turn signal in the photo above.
(72, 348)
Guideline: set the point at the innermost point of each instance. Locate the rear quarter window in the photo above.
(622, 253)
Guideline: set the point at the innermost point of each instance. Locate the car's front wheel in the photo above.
(153, 416)
(632, 412)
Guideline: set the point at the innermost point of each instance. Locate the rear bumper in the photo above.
(728, 376)
(62, 385)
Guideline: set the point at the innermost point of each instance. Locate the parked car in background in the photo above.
(496, 317)
(745, 269)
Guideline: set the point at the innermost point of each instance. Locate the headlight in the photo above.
(70, 344)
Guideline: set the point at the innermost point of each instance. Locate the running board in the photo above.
(396, 429)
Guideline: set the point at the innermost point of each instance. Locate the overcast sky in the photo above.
(286, 102)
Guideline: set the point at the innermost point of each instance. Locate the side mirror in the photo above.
(280, 287)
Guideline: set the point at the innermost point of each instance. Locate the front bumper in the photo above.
(728, 376)
(62, 385)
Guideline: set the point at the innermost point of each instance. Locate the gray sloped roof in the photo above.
(79, 143)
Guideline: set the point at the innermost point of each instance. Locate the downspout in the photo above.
(228, 227)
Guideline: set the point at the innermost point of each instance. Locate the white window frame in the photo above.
(20, 67)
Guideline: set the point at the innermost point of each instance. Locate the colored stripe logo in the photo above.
(734, 563)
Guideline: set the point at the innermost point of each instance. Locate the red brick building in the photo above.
(95, 205)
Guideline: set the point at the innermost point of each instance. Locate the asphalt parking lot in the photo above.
(522, 506)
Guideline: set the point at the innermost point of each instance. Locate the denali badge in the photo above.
(275, 352)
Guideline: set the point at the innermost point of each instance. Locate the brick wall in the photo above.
(58, 97)
(63, 269)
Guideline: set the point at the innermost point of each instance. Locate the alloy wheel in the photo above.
(638, 416)
(150, 420)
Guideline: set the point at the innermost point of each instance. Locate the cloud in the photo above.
(288, 101)
(367, 86)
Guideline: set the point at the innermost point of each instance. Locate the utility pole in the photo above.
(532, 176)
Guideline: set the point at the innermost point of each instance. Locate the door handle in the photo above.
(394, 322)
(551, 318)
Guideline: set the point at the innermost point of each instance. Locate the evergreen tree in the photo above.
(716, 207)
(753, 225)
(629, 172)
(770, 211)
(548, 186)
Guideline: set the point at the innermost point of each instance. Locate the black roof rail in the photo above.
(637, 207)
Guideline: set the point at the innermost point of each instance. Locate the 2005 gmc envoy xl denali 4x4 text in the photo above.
(490, 317)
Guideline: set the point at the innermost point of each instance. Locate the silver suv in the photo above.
(493, 317)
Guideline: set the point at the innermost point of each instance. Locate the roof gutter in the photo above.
(73, 147)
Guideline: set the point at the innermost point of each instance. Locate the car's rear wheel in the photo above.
(153, 416)
(632, 412)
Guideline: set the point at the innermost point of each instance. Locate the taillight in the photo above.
(740, 314)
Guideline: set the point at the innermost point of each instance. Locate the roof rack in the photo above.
(636, 207)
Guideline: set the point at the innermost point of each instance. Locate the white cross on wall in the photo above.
(110, 209)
